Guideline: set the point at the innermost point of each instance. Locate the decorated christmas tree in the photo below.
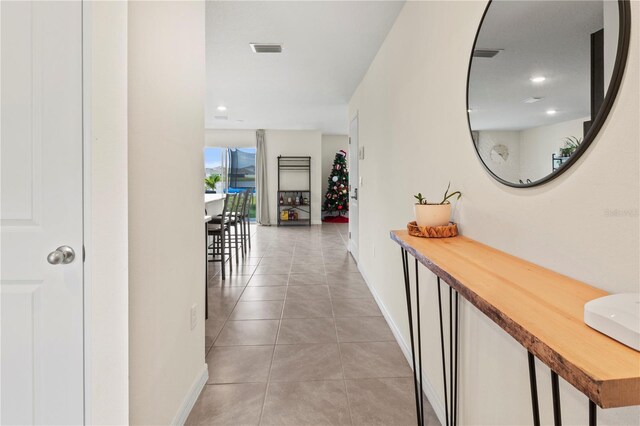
(337, 196)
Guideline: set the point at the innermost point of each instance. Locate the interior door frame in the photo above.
(356, 116)
(86, 203)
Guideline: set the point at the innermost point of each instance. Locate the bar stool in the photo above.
(241, 218)
(245, 224)
(230, 216)
(219, 229)
(234, 220)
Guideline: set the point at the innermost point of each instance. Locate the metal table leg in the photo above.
(455, 360)
(444, 368)
(419, 345)
(451, 387)
(593, 414)
(555, 392)
(417, 389)
(534, 389)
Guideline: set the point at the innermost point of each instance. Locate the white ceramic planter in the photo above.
(432, 214)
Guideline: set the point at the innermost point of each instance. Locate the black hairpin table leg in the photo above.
(593, 414)
(444, 367)
(450, 388)
(555, 393)
(419, 346)
(417, 383)
(534, 389)
(454, 380)
(451, 385)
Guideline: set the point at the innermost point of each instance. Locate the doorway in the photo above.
(353, 187)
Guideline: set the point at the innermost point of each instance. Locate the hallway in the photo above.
(295, 337)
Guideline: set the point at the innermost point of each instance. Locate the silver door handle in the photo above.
(63, 254)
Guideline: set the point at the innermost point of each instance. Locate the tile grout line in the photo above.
(273, 353)
(298, 243)
(230, 312)
(335, 325)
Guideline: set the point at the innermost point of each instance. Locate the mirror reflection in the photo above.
(539, 74)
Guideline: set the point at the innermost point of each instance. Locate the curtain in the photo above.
(242, 164)
(262, 190)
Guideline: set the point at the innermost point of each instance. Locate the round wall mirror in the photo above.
(543, 77)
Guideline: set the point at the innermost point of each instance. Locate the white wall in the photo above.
(413, 124)
(538, 143)
(294, 143)
(166, 232)
(230, 138)
(107, 248)
(510, 169)
(529, 150)
(331, 144)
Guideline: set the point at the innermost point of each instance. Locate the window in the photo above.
(236, 168)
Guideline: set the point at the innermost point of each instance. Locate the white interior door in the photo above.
(353, 188)
(41, 161)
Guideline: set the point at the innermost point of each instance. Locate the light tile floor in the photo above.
(294, 337)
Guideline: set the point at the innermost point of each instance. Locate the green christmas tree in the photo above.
(337, 196)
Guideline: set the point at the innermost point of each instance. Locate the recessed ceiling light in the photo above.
(538, 79)
(551, 111)
(222, 108)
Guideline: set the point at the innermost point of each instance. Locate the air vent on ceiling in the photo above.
(533, 99)
(485, 53)
(266, 47)
(221, 117)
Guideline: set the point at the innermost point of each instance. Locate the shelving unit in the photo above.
(556, 161)
(289, 166)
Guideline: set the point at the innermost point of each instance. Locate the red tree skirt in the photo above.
(335, 219)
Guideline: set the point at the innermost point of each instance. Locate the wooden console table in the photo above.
(541, 309)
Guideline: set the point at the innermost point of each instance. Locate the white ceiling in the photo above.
(327, 48)
(549, 38)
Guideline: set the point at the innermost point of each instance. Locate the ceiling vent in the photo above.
(266, 47)
(533, 100)
(485, 53)
(220, 117)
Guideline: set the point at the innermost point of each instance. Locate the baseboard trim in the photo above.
(429, 390)
(191, 397)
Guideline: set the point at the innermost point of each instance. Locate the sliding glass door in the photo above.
(236, 171)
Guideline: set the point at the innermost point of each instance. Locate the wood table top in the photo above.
(541, 309)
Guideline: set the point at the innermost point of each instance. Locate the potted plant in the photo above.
(571, 144)
(434, 214)
(210, 183)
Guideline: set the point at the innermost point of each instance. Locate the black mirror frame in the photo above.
(624, 35)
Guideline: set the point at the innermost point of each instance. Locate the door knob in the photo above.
(63, 254)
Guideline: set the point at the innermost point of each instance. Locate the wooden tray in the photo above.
(447, 231)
